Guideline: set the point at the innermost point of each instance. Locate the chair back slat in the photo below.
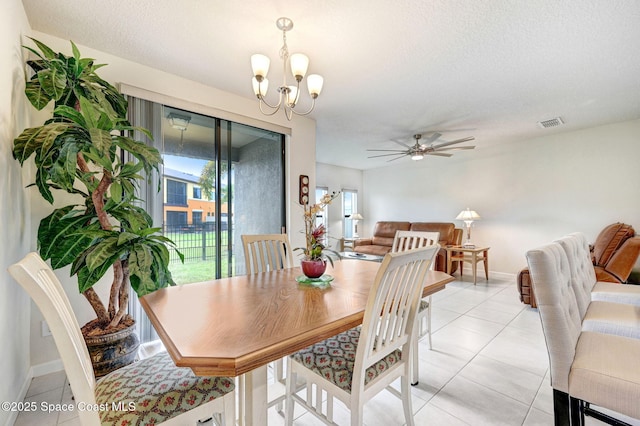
(391, 308)
(409, 240)
(39, 281)
(267, 252)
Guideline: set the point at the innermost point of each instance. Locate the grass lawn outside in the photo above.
(199, 265)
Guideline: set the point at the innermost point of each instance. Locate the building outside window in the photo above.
(197, 192)
(176, 192)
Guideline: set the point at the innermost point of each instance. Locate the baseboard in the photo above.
(46, 368)
(503, 276)
(35, 371)
(22, 393)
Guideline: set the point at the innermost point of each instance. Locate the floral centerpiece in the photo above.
(315, 253)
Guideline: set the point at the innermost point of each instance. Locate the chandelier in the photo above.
(288, 95)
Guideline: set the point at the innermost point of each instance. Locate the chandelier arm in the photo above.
(313, 104)
(288, 112)
(274, 108)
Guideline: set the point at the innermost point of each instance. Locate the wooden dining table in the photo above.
(234, 326)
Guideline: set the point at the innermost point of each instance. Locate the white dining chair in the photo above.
(262, 253)
(150, 391)
(409, 240)
(266, 252)
(357, 364)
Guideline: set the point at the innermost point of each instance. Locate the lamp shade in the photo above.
(468, 215)
(314, 84)
(292, 96)
(357, 216)
(260, 65)
(260, 89)
(299, 64)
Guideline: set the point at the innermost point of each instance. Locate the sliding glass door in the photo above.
(220, 179)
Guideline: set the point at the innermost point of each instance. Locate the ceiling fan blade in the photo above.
(387, 150)
(453, 148)
(442, 145)
(401, 143)
(397, 158)
(432, 138)
(439, 154)
(388, 155)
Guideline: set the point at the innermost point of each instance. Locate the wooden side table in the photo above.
(472, 255)
(347, 243)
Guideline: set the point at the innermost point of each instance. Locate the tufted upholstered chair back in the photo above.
(559, 312)
(583, 276)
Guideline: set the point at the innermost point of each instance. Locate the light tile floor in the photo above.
(488, 366)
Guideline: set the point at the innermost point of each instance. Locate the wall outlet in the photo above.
(45, 329)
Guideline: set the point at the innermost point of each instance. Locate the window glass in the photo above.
(322, 218)
(349, 207)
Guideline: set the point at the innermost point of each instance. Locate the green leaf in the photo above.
(26, 144)
(53, 81)
(76, 52)
(41, 183)
(101, 139)
(63, 172)
(71, 114)
(38, 97)
(149, 156)
(46, 50)
(59, 238)
(87, 278)
(116, 192)
(125, 237)
(102, 253)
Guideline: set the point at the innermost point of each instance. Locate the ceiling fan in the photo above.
(418, 150)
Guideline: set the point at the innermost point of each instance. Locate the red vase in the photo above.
(313, 268)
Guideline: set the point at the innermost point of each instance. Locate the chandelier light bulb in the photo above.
(260, 89)
(314, 84)
(292, 94)
(260, 65)
(299, 64)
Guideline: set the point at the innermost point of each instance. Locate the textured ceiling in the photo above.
(489, 69)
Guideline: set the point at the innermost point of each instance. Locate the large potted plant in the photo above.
(79, 151)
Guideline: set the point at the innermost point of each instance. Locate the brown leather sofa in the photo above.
(384, 232)
(614, 255)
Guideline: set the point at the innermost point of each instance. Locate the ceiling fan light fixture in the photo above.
(417, 151)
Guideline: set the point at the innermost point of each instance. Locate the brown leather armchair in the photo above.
(614, 254)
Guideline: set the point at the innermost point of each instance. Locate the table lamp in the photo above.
(356, 217)
(468, 216)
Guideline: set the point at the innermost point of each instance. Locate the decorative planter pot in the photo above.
(112, 351)
(313, 268)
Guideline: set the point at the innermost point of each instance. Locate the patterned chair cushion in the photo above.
(335, 357)
(155, 390)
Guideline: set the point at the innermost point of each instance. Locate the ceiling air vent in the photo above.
(553, 122)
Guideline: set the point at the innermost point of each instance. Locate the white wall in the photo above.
(15, 233)
(299, 161)
(527, 192)
(336, 179)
